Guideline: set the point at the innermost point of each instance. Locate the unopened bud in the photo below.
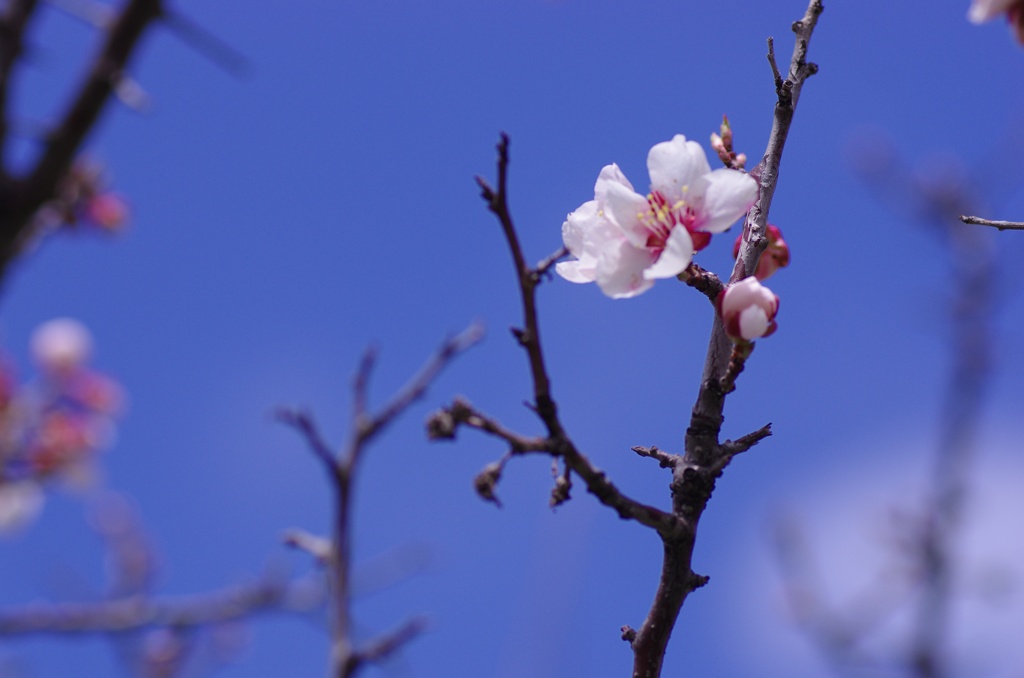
(107, 211)
(775, 256)
(487, 482)
(748, 310)
(726, 130)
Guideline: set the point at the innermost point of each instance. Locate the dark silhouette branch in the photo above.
(21, 197)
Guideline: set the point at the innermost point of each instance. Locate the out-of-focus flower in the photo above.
(63, 439)
(775, 256)
(986, 10)
(625, 241)
(20, 503)
(109, 211)
(747, 309)
(61, 345)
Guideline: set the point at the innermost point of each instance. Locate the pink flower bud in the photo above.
(747, 309)
(776, 255)
(61, 345)
(107, 210)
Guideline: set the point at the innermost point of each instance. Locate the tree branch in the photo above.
(26, 195)
(1001, 225)
(705, 458)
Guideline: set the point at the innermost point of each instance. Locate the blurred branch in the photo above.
(21, 198)
(336, 554)
(1001, 225)
(138, 612)
(930, 540)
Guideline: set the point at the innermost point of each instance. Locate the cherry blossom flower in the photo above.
(625, 241)
(775, 256)
(986, 10)
(61, 345)
(748, 309)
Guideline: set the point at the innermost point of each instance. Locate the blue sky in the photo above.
(325, 200)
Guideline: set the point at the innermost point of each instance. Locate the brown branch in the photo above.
(544, 266)
(702, 280)
(368, 427)
(1001, 225)
(704, 459)
(557, 443)
(529, 335)
(664, 459)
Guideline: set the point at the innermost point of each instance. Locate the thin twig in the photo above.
(664, 459)
(1001, 225)
(304, 424)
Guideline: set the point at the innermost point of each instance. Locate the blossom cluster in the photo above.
(52, 427)
(624, 241)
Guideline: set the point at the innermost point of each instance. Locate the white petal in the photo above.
(677, 255)
(610, 174)
(570, 270)
(748, 293)
(753, 323)
(725, 196)
(676, 165)
(625, 208)
(620, 271)
(576, 225)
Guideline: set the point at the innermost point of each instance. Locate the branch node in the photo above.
(628, 634)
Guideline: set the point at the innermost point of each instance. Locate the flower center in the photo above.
(661, 217)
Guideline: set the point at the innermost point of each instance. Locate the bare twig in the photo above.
(304, 424)
(664, 459)
(346, 658)
(702, 280)
(1001, 225)
(544, 266)
(557, 443)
